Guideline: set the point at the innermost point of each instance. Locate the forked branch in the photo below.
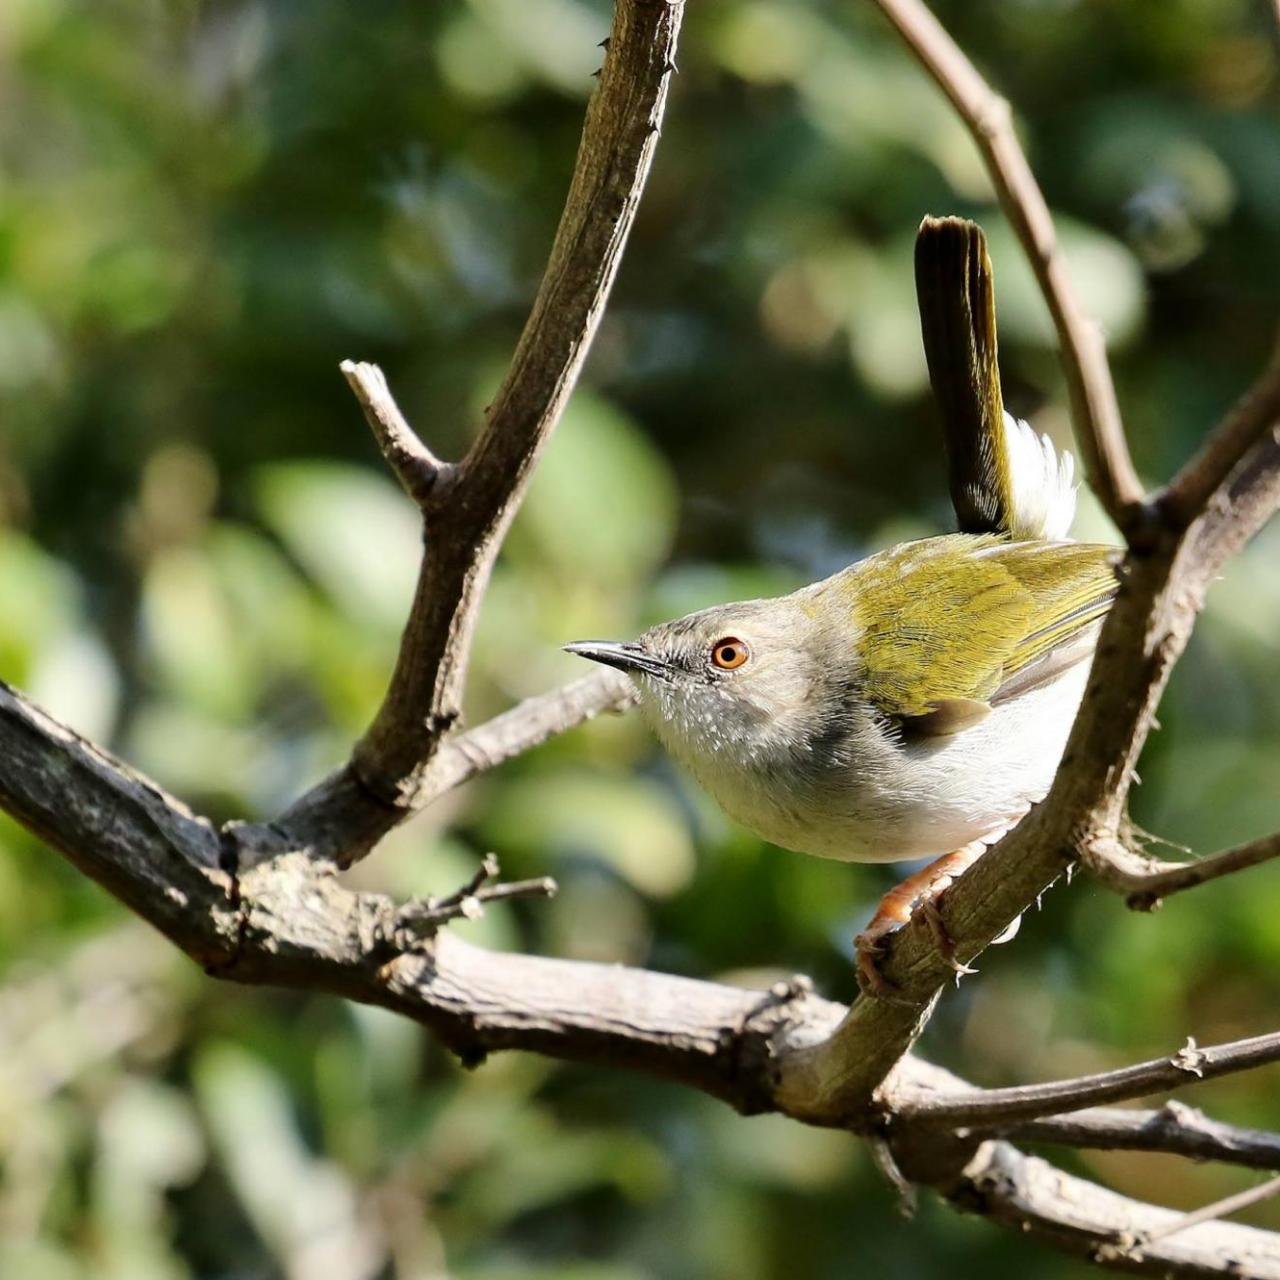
(261, 903)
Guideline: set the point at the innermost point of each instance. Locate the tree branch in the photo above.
(467, 508)
(1174, 1129)
(261, 903)
(289, 923)
(1075, 1215)
(1026, 1102)
(414, 465)
(527, 725)
(1208, 1213)
(465, 524)
(1255, 413)
(1148, 881)
(1094, 409)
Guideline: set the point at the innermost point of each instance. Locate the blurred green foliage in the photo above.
(203, 208)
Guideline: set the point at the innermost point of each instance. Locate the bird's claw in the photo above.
(868, 947)
(942, 940)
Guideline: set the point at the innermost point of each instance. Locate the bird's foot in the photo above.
(943, 943)
(919, 891)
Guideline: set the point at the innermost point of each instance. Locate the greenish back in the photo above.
(957, 617)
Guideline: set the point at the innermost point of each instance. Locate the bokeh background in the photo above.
(203, 208)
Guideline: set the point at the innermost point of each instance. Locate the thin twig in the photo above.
(1256, 412)
(527, 725)
(1083, 351)
(1188, 1065)
(415, 466)
(1147, 881)
(1173, 1128)
(417, 918)
(1211, 1212)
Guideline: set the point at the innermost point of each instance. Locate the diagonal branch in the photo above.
(1083, 351)
(1027, 1102)
(1256, 412)
(467, 508)
(466, 524)
(414, 465)
(527, 725)
(1208, 1213)
(1075, 1215)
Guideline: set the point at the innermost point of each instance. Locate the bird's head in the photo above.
(743, 682)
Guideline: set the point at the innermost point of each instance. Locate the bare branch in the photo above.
(527, 725)
(421, 919)
(1147, 881)
(343, 817)
(415, 466)
(291, 924)
(1077, 1216)
(1174, 1128)
(1209, 1213)
(121, 829)
(1083, 351)
(1256, 412)
(466, 522)
(991, 1106)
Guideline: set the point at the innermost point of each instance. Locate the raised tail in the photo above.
(1003, 477)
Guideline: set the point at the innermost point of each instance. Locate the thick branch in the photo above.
(1083, 351)
(141, 844)
(466, 521)
(288, 923)
(1026, 1193)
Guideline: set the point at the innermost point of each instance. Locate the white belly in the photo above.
(919, 799)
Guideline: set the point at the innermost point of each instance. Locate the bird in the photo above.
(917, 703)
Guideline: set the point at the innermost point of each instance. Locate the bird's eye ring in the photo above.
(729, 653)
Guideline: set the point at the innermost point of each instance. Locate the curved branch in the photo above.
(1094, 409)
(288, 923)
(1148, 881)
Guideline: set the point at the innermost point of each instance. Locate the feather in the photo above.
(957, 618)
(1003, 477)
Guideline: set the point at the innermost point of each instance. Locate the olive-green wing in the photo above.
(960, 622)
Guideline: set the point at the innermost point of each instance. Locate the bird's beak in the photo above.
(625, 655)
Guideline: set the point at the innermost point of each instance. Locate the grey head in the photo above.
(736, 685)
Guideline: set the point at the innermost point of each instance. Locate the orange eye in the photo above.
(729, 653)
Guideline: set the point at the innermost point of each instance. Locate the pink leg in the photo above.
(896, 908)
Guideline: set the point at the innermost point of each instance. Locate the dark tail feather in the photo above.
(958, 319)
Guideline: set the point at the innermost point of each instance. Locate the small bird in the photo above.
(917, 703)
